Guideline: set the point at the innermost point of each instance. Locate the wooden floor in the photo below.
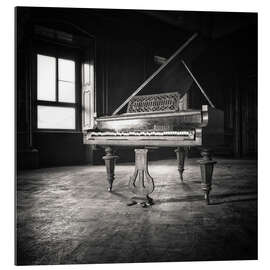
(65, 215)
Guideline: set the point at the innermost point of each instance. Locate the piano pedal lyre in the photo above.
(141, 183)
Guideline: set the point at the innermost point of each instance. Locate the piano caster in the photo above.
(207, 167)
(206, 197)
(109, 160)
(181, 176)
(180, 155)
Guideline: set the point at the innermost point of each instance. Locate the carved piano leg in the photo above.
(141, 183)
(207, 167)
(180, 155)
(110, 164)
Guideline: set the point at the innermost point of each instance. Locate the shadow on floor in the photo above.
(214, 199)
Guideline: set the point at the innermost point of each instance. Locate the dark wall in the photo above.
(58, 149)
(228, 72)
(125, 45)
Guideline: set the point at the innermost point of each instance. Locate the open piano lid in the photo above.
(172, 75)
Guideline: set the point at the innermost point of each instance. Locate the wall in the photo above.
(59, 149)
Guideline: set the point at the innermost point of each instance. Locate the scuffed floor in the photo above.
(65, 215)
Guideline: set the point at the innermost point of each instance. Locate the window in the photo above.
(56, 93)
(88, 105)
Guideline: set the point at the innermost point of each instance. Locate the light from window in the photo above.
(66, 80)
(66, 70)
(46, 69)
(86, 74)
(66, 91)
(52, 117)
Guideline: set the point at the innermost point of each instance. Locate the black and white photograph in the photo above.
(136, 135)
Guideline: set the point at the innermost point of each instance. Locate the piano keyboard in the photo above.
(182, 133)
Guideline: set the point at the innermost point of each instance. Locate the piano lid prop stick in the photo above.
(192, 76)
(155, 73)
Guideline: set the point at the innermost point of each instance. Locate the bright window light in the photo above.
(52, 117)
(46, 69)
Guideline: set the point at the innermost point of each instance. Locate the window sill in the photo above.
(57, 131)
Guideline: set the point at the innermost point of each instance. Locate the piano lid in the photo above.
(172, 75)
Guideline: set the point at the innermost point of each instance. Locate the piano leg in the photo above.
(110, 165)
(207, 167)
(180, 155)
(141, 183)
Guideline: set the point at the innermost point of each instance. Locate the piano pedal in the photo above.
(144, 202)
(147, 203)
(150, 201)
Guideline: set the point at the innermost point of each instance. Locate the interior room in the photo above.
(77, 73)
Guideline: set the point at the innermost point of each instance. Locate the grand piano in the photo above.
(160, 120)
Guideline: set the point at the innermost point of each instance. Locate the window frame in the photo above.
(63, 52)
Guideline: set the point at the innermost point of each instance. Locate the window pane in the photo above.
(46, 77)
(56, 117)
(66, 91)
(66, 70)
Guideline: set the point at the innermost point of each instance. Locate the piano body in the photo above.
(159, 120)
